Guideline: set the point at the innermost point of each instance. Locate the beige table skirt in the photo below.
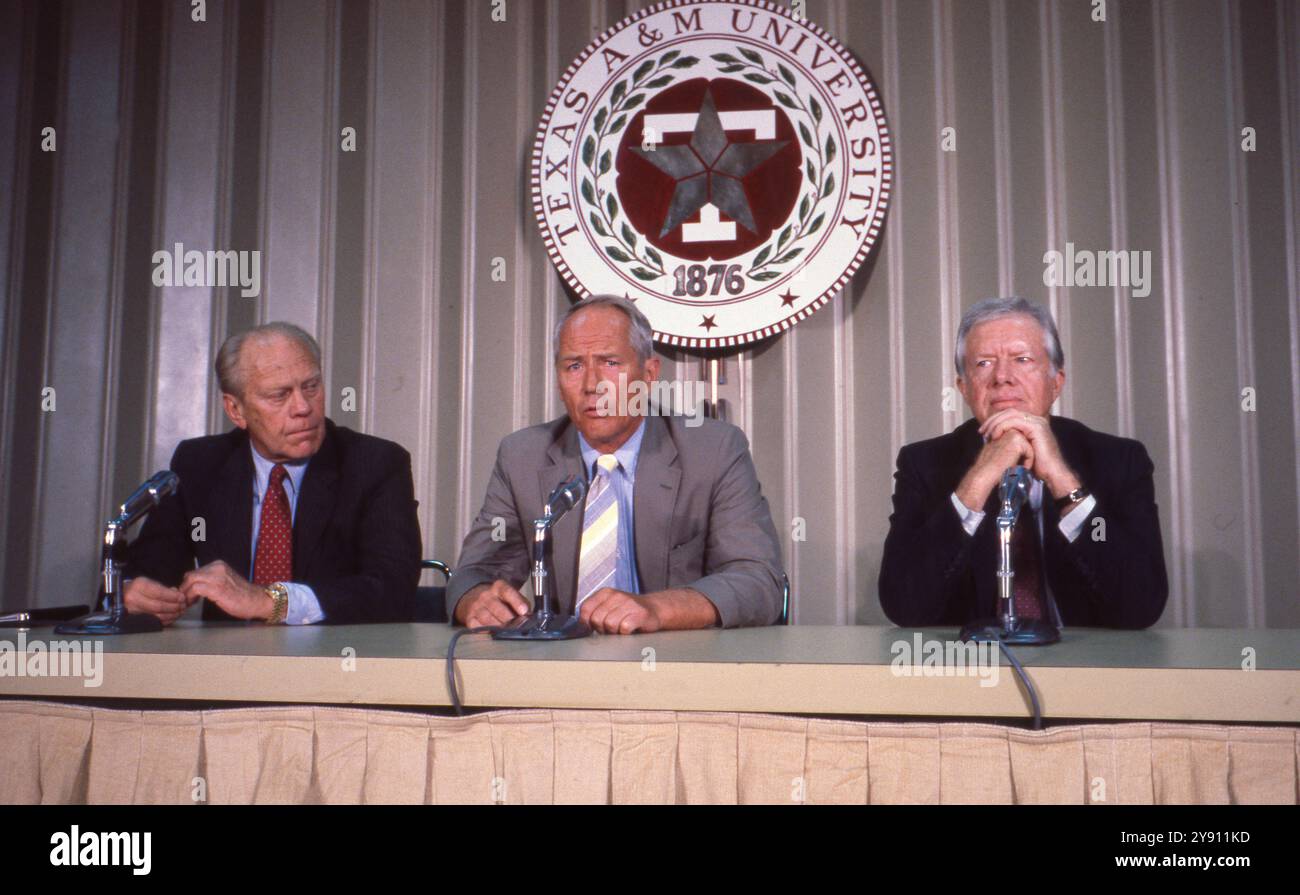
(60, 753)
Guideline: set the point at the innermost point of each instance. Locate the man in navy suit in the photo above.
(1089, 546)
(288, 518)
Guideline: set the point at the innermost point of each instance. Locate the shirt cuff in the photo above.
(1071, 523)
(970, 519)
(304, 608)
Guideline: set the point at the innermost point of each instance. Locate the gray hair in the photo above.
(993, 308)
(639, 330)
(229, 376)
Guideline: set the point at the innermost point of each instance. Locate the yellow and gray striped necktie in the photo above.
(598, 558)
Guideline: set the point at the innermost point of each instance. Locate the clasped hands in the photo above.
(1016, 437)
(216, 581)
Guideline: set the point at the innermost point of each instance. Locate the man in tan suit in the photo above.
(674, 532)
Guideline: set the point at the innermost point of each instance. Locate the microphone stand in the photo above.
(545, 622)
(116, 620)
(1009, 628)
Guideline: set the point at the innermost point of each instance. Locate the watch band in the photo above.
(1073, 497)
(279, 595)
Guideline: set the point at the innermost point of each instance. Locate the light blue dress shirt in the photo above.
(304, 608)
(623, 480)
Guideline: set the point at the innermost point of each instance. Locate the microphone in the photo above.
(545, 622)
(1007, 627)
(146, 497)
(1013, 493)
(115, 619)
(565, 497)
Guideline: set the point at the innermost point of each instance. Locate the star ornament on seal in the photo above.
(721, 162)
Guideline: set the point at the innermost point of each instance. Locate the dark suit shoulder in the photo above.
(941, 450)
(1096, 441)
(1071, 431)
(1113, 457)
(353, 446)
(208, 451)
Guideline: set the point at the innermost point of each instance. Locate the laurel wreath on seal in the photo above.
(609, 121)
(654, 74)
(786, 247)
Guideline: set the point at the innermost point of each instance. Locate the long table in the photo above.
(1164, 674)
(704, 716)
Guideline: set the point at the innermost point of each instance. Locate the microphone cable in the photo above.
(451, 667)
(1024, 679)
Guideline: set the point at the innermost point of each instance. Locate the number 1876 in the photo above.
(692, 279)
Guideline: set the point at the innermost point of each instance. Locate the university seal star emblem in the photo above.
(721, 162)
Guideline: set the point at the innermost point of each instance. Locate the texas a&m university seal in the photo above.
(725, 164)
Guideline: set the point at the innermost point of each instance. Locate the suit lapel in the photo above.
(984, 561)
(985, 565)
(565, 463)
(970, 443)
(655, 496)
(231, 509)
(1071, 448)
(1053, 540)
(315, 503)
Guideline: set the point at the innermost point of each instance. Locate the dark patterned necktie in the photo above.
(1025, 560)
(274, 560)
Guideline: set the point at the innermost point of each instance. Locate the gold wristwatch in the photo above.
(279, 595)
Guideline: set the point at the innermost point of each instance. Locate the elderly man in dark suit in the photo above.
(674, 533)
(290, 518)
(1087, 551)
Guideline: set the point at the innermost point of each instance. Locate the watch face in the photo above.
(725, 165)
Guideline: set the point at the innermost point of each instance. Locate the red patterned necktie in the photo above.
(1028, 590)
(274, 560)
